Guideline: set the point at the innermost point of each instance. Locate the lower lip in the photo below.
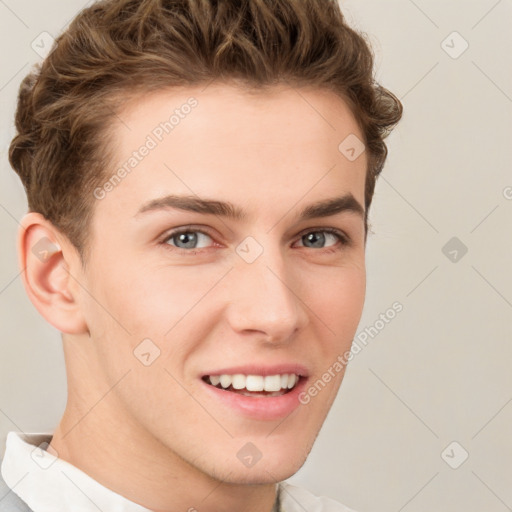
(259, 407)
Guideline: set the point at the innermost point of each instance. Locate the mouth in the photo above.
(255, 385)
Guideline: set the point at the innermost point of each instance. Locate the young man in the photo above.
(199, 175)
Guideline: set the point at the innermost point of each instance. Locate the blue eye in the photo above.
(319, 238)
(189, 238)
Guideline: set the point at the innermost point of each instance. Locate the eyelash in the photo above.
(342, 237)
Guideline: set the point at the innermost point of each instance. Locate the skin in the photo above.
(150, 433)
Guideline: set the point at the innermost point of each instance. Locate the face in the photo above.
(227, 273)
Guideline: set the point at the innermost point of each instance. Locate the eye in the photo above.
(189, 238)
(318, 238)
(186, 239)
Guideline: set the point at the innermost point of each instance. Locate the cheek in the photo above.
(336, 306)
(335, 314)
(142, 298)
(134, 304)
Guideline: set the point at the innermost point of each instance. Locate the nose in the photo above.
(263, 299)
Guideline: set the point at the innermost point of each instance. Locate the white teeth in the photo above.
(254, 383)
(225, 381)
(239, 381)
(272, 383)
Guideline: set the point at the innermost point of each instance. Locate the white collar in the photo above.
(49, 484)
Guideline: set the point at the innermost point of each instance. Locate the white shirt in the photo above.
(47, 483)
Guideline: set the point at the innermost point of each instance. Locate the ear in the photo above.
(50, 264)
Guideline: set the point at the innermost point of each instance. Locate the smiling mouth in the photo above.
(255, 385)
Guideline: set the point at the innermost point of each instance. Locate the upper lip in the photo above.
(254, 369)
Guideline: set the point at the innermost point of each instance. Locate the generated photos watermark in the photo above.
(152, 140)
(359, 342)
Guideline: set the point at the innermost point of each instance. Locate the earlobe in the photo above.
(45, 258)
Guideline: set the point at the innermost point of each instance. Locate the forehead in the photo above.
(222, 109)
(257, 149)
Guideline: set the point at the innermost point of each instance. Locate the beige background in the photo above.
(439, 372)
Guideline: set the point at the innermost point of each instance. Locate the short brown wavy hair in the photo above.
(117, 48)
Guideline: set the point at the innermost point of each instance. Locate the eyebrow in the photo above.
(325, 208)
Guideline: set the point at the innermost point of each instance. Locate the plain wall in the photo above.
(439, 371)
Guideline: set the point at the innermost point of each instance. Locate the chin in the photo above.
(261, 475)
(276, 466)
